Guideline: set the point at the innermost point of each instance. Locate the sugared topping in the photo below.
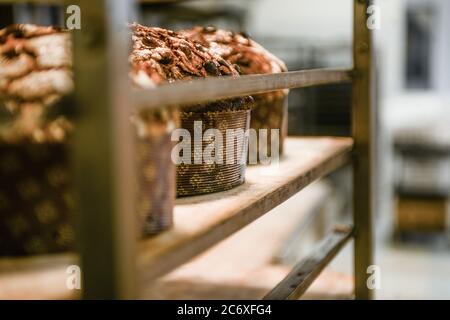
(165, 56)
(236, 48)
(35, 73)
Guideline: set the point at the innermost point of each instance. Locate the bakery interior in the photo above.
(238, 233)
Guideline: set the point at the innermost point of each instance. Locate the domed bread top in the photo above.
(236, 48)
(35, 73)
(161, 55)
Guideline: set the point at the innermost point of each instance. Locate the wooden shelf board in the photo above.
(202, 221)
(41, 277)
(252, 285)
(199, 222)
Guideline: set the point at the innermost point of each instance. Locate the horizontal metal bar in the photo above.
(210, 89)
(307, 270)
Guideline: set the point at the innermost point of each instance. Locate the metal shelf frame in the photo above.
(204, 90)
(104, 144)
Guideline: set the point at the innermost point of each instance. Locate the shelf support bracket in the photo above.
(306, 271)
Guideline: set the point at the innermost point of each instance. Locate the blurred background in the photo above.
(412, 61)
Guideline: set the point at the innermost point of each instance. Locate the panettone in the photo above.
(163, 56)
(270, 109)
(36, 196)
(35, 73)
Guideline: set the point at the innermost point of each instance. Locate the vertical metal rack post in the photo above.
(363, 139)
(103, 152)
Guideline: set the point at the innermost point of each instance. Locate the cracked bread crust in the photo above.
(165, 56)
(239, 49)
(161, 56)
(270, 108)
(35, 73)
(236, 48)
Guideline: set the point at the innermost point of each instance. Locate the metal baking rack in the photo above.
(114, 264)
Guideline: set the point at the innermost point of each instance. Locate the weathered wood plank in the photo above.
(201, 222)
(246, 285)
(40, 277)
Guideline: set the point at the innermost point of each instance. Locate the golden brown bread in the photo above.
(35, 73)
(270, 109)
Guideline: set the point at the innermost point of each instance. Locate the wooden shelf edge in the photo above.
(250, 286)
(37, 277)
(45, 277)
(164, 253)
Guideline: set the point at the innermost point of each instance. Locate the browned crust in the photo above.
(237, 48)
(35, 73)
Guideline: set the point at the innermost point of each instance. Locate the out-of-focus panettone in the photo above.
(270, 109)
(36, 200)
(35, 73)
(163, 56)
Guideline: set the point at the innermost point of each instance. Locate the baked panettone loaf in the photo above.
(36, 197)
(270, 109)
(163, 56)
(36, 200)
(35, 73)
